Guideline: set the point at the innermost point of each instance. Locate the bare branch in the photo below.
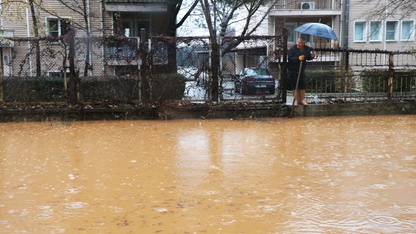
(187, 13)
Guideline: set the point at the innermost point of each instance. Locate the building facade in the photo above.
(359, 24)
(380, 25)
(290, 14)
(94, 19)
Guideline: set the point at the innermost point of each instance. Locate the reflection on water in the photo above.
(336, 174)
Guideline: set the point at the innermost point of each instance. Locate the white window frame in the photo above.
(412, 33)
(59, 29)
(292, 31)
(396, 31)
(379, 31)
(143, 21)
(364, 31)
(123, 32)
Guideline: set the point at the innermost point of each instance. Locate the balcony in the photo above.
(136, 5)
(306, 8)
(123, 51)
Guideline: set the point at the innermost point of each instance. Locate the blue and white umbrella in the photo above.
(317, 29)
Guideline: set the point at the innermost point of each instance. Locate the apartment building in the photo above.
(290, 14)
(380, 25)
(359, 24)
(55, 18)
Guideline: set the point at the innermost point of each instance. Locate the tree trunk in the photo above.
(144, 68)
(171, 44)
(88, 46)
(215, 71)
(73, 80)
(36, 31)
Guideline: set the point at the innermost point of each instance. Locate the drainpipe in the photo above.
(89, 36)
(1, 58)
(1, 20)
(89, 16)
(347, 23)
(341, 22)
(28, 35)
(387, 15)
(102, 36)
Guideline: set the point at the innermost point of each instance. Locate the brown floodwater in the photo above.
(310, 175)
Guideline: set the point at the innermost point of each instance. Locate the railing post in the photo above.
(345, 74)
(1, 74)
(74, 75)
(215, 67)
(391, 74)
(144, 67)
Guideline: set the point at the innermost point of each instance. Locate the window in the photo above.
(359, 31)
(124, 28)
(143, 24)
(292, 36)
(408, 30)
(375, 30)
(391, 31)
(57, 27)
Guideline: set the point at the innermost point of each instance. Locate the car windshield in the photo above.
(261, 71)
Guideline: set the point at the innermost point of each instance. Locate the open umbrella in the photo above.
(317, 29)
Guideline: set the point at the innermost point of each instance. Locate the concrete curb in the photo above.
(185, 110)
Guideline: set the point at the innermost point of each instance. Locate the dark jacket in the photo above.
(293, 58)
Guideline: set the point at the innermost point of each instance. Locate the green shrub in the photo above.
(109, 89)
(322, 81)
(168, 87)
(374, 80)
(33, 89)
(377, 80)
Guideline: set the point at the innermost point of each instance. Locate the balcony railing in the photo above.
(307, 5)
(122, 49)
(125, 51)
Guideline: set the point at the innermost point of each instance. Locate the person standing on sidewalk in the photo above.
(297, 53)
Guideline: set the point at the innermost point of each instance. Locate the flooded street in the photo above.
(277, 175)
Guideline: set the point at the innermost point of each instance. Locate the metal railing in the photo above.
(115, 71)
(362, 75)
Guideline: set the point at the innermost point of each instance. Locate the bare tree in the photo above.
(80, 8)
(173, 8)
(218, 15)
(386, 8)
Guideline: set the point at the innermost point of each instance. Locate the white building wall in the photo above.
(375, 10)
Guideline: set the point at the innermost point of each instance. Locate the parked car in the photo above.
(188, 72)
(252, 80)
(202, 79)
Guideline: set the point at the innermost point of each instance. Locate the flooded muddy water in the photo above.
(310, 175)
